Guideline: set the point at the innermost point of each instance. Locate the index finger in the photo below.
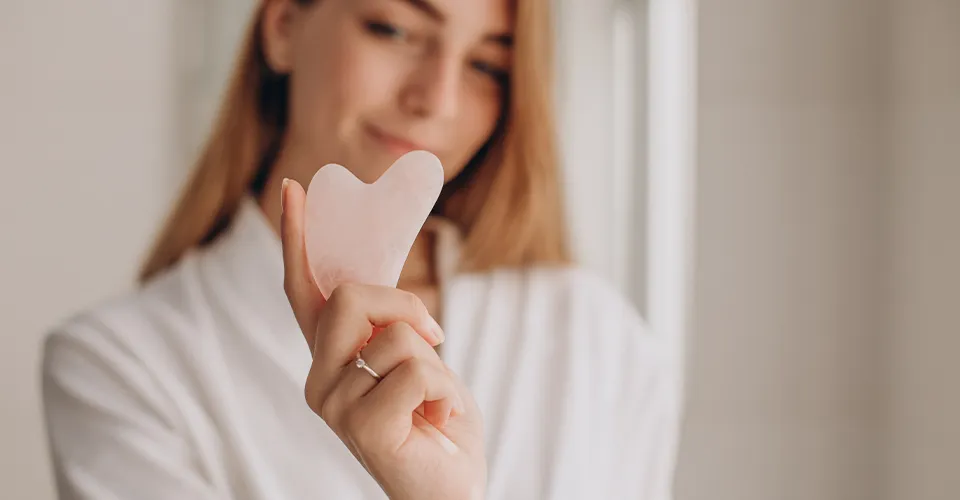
(355, 311)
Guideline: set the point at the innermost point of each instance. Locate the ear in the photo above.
(277, 29)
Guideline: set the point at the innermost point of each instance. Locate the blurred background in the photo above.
(776, 183)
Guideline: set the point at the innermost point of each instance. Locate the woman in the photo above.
(546, 384)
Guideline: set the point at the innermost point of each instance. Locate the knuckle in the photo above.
(321, 404)
(313, 400)
(331, 411)
(327, 412)
(414, 304)
(345, 298)
(401, 338)
(416, 370)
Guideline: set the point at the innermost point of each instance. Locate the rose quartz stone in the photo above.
(362, 233)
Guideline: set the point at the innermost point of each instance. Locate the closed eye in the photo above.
(499, 75)
(386, 30)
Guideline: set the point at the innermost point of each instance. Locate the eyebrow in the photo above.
(434, 13)
(427, 8)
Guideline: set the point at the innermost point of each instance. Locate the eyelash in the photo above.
(392, 32)
(386, 30)
(498, 75)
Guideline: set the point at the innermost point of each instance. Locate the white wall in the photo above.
(586, 110)
(86, 119)
(623, 64)
(785, 391)
(925, 296)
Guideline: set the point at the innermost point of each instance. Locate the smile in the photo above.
(393, 143)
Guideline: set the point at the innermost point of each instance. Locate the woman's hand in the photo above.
(417, 430)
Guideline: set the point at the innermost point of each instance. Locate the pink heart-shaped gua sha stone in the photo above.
(362, 233)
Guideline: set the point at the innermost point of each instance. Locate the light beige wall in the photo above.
(86, 119)
(785, 391)
(925, 296)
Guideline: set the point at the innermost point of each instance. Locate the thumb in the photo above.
(298, 282)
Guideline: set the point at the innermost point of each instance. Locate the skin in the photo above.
(370, 81)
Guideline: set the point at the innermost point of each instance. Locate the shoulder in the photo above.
(561, 282)
(123, 364)
(593, 303)
(582, 313)
(153, 320)
(594, 294)
(628, 360)
(575, 293)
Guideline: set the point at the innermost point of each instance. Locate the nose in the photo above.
(433, 88)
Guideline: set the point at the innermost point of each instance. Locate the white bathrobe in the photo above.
(192, 387)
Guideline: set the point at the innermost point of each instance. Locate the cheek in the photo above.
(334, 85)
(314, 104)
(488, 111)
(366, 77)
(481, 113)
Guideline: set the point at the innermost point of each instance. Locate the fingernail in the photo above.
(283, 191)
(437, 331)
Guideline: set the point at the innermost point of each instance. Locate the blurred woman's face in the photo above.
(371, 80)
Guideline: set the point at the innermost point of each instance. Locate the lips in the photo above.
(395, 144)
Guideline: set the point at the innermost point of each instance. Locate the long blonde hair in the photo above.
(507, 201)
